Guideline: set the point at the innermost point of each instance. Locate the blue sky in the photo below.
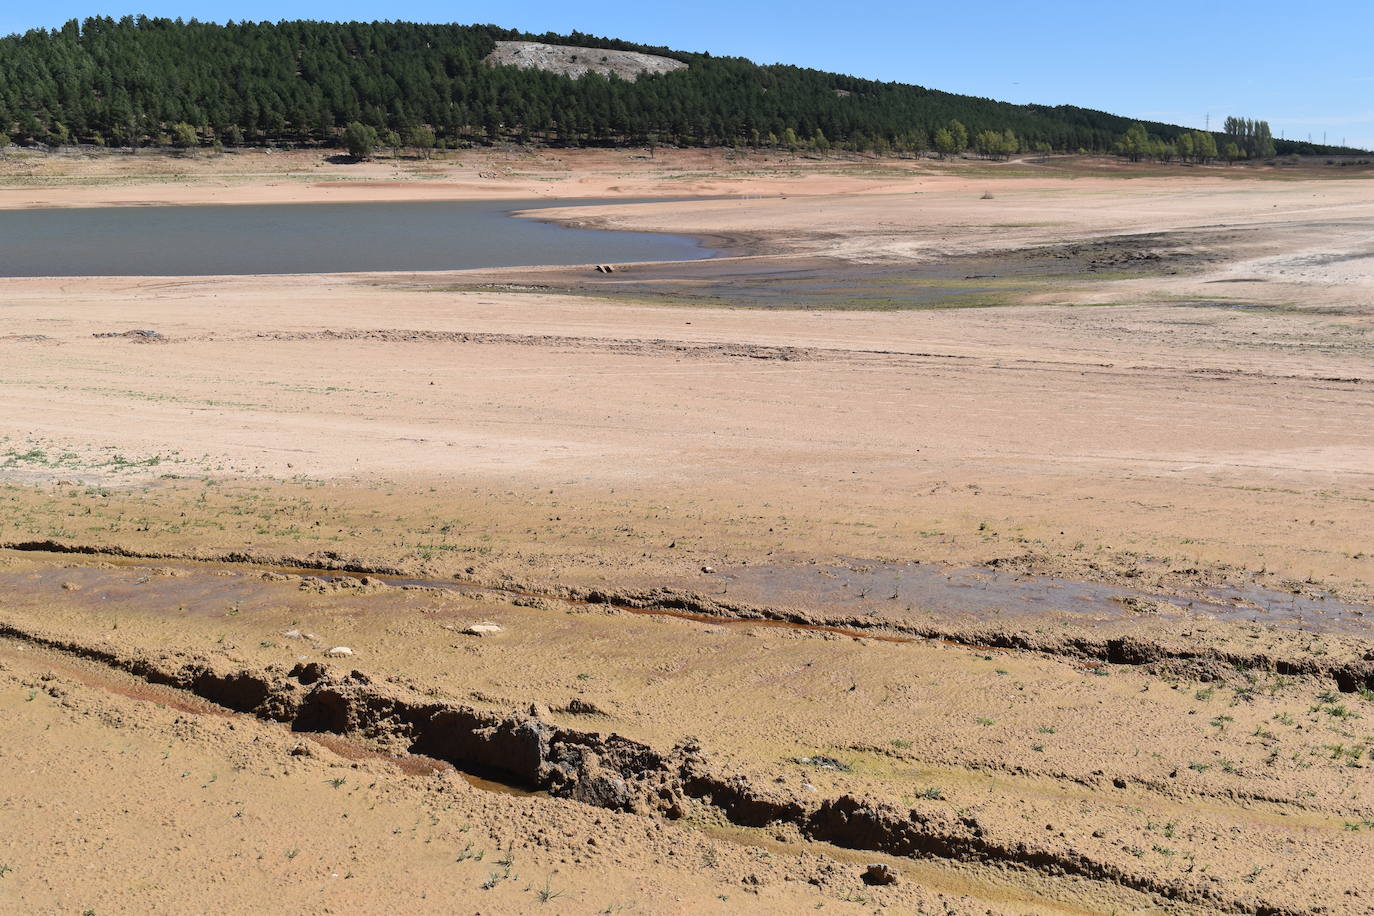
(1307, 70)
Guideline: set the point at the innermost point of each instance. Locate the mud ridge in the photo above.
(1204, 662)
(614, 345)
(606, 771)
(325, 561)
(1121, 650)
(719, 350)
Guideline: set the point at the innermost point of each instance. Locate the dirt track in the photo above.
(1095, 554)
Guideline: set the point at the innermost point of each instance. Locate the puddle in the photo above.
(1280, 609)
(884, 593)
(171, 587)
(208, 590)
(415, 764)
(972, 596)
(351, 749)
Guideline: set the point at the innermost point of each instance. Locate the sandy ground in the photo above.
(1115, 519)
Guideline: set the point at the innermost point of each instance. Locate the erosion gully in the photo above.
(951, 877)
(526, 754)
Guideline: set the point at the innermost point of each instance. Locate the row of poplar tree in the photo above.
(1243, 139)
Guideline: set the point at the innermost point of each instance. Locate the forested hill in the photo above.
(139, 81)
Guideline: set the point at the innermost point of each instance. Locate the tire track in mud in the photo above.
(1348, 675)
(609, 771)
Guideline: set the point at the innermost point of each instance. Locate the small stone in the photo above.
(483, 629)
(880, 873)
(708, 569)
(807, 787)
(339, 652)
(292, 634)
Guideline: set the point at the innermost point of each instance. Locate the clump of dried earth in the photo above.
(780, 581)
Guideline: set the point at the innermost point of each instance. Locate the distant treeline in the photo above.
(1242, 138)
(140, 81)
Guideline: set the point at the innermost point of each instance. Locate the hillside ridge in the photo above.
(138, 81)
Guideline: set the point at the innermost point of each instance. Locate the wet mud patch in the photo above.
(989, 595)
(983, 609)
(937, 282)
(782, 283)
(1151, 253)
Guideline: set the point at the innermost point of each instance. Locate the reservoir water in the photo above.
(312, 238)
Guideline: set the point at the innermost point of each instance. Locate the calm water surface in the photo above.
(311, 238)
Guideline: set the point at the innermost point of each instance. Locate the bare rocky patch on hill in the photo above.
(575, 62)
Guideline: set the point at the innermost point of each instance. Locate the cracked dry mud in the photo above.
(1058, 604)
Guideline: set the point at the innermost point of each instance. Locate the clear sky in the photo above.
(1306, 69)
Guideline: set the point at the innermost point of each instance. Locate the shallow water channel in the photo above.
(313, 238)
(873, 600)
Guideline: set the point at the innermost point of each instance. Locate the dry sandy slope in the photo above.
(1078, 441)
(1194, 433)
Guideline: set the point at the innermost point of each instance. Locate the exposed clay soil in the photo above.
(1020, 545)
